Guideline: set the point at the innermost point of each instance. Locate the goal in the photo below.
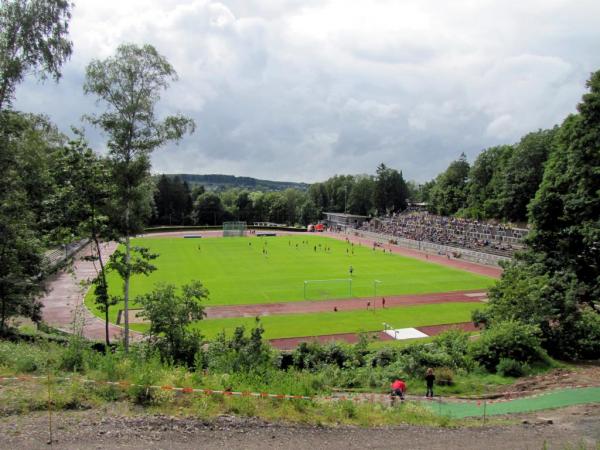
(327, 289)
(234, 229)
(376, 284)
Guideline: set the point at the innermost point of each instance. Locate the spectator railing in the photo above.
(56, 257)
(430, 247)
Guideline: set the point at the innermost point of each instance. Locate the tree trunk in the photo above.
(3, 317)
(105, 289)
(126, 290)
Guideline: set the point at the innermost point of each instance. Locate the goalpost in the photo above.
(376, 284)
(234, 229)
(328, 289)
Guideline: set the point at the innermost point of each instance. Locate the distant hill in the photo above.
(216, 182)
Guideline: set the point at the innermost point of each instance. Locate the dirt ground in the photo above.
(555, 379)
(103, 429)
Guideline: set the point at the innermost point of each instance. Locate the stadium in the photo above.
(330, 286)
(299, 225)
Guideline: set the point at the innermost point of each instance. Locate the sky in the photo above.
(296, 90)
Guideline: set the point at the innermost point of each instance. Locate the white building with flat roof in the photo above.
(343, 220)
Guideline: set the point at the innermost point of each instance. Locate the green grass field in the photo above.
(315, 324)
(236, 271)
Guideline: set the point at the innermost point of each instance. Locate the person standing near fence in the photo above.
(429, 379)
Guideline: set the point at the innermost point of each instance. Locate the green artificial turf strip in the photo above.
(236, 271)
(315, 324)
(554, 399)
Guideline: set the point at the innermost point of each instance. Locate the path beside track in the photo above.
(63, 301)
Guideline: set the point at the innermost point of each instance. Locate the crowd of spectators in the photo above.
(452, 231)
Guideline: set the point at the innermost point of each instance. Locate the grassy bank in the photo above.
(52, 361)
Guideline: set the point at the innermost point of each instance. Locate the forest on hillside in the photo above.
(497, 186)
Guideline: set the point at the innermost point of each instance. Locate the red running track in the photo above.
(345, 304)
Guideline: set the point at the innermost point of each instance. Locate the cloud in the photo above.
(302, 90)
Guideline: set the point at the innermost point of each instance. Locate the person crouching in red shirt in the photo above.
(398, 389)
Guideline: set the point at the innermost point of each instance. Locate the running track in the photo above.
(345, 304)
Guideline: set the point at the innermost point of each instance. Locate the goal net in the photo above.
(327, 289)
(234, 229)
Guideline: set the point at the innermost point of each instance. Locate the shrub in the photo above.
(512, 340)
(455, 343)
(588, 333)
(240, 353)
(27, 358)
(76, 354)
(147, 372)
(417, 358)
(444, 376)
(382, 357)
(508, 367)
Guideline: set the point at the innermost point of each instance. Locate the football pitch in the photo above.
(255, 270)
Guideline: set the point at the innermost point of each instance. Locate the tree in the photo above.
(278, 208)
(27, 147)
(129, 85)
(170, 314)
(485, 186)
(524, 172)
(82, 202)
(20, 246)
(308, 213)
(318, 195)
(208, 209)
(360, 200)
(33, 38)
(449, 194)
(558, 278)
(243, 203)
(172, 201)
(391, 192)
